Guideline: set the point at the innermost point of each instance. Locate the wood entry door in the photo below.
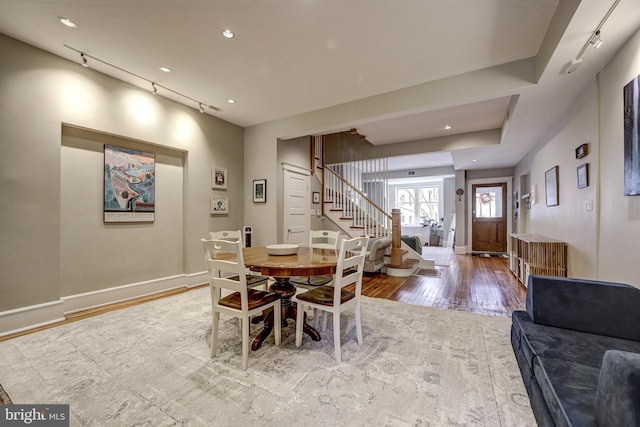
(489, 218)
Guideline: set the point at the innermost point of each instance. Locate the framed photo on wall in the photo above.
(316, 197)
(219, 205)
(583, 175)
(218, 178)
(259, 191)
(551, 186)
(582, 151)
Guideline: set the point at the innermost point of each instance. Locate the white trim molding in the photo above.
(25, 318)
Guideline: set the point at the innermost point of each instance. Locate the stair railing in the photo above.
(353, 203)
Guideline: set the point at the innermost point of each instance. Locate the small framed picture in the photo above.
(582, 151)
(316, 197)
(218, 178)
(219, 205)
(551, 186)
(583, 175)
(259, 191)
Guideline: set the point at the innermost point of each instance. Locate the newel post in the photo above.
(396, 243)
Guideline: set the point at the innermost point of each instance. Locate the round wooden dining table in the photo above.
(306, 262)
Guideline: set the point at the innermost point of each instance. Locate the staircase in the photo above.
(365, 214)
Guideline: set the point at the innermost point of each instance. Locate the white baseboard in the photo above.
(21, 319)
(24, 318)
(460, 250)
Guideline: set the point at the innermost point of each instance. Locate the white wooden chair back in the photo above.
(232, 236)
(324, 239)
(350, 266)
(224, 260)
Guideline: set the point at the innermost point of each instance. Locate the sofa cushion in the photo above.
(617, 402)
(569, 389)
(602, 308)
(564, 344)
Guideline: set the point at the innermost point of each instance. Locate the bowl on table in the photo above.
(282, 249)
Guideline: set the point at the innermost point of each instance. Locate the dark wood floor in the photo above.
(470, 283)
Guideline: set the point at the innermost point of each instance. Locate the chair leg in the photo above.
(315, 318)
(214, 333)
(299, 320)
(277, 320)
(324, 321)
(245, 342)
(336, 336)
(358, 324)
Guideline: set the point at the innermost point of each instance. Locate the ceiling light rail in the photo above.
(201, 106)
(595, 40)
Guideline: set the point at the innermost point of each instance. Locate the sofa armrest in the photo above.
(617, 400)
(376, 248)
(603, 308)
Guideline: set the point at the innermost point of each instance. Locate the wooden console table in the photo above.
(533, 254)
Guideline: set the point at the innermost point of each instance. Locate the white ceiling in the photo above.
(300, 56)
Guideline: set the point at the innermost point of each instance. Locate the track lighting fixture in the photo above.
(596, 41)
(154, 86)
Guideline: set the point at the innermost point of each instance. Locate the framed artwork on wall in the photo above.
(218, 178)
(219, 205)
(583, 175)
(129, 185)
(259, 191)
(551, 186)
(582, 151)
(631, 108)
(316, 197)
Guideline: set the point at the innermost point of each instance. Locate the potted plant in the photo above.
(436, 226)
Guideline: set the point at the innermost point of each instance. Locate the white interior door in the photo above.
(297, 221)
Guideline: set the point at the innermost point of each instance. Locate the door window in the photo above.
(488, 202)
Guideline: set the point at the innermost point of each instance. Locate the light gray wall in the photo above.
(602, 243)
(46, 234)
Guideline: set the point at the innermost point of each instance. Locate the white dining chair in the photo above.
(335, 299)
(319, 239)
(226, 268)
(253, 280)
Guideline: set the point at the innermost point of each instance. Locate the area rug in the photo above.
(440, 255)
(490, 255)
(150, 365)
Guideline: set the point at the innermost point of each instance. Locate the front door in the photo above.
(489, 218)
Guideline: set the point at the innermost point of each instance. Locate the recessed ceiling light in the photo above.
(447, 127)
(165, 69)
(474, 160)
(68, 22)
(228, 34)
(231, 101)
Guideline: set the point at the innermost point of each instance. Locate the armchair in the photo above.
(374, 258)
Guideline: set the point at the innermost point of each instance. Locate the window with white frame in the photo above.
(418, 203)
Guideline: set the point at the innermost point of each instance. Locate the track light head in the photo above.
(596, 41)
(201, 109)
(84, 60)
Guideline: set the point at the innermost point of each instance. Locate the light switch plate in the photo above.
(588, 205)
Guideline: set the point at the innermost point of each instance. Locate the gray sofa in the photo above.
(578, 350)
(414, 242)
(374, 260)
